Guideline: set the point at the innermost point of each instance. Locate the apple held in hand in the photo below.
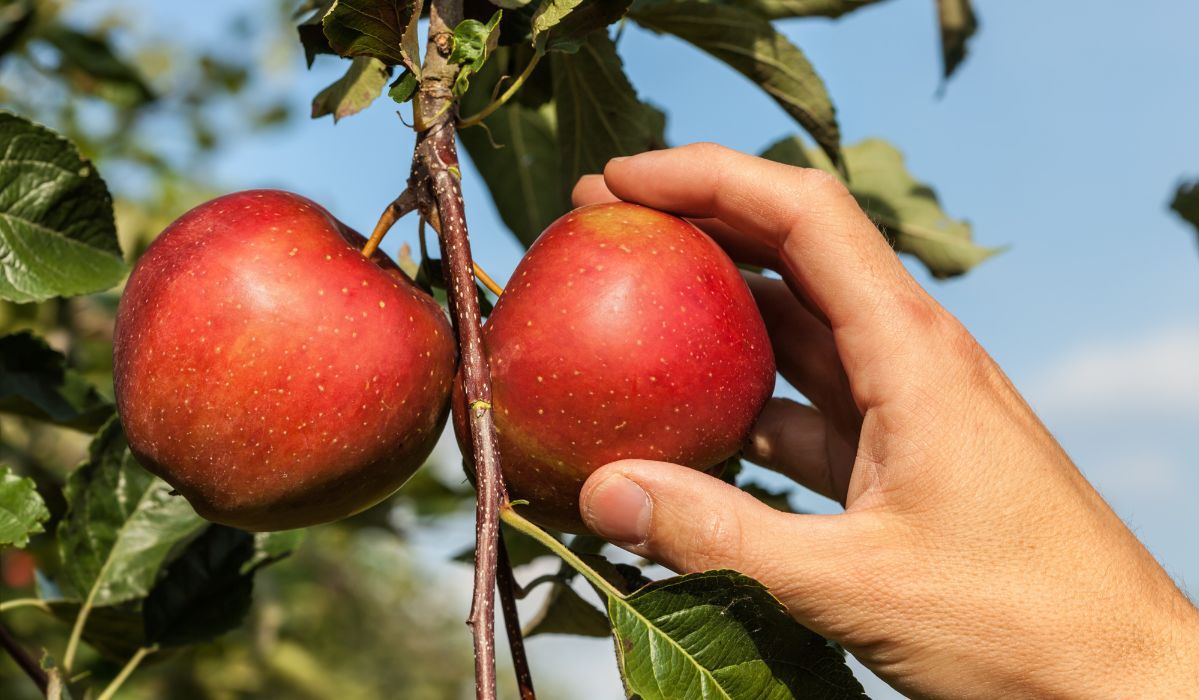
(272, 374)
(623, 333)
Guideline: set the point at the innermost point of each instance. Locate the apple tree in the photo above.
(536, 93)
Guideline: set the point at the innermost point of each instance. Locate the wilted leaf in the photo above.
(57, 236)
(958, 25)
(561, 25)
(22, 510)
(120, 526)
(748, 43)
(35, 382)
(781, 9)
(566, 612)
(353, 92)
(92, 65)
(375, 28)
(473, 43)
(1186, 203)
(721, 634)
(521, 168)
(599, 116)
(906, 210)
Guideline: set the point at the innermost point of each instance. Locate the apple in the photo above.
(271, 373)
(623, 333)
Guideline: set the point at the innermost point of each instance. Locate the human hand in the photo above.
(972, 559)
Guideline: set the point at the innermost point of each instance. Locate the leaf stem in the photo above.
(129, 668)
(22, 658)
(495, 104)
(25, 603)
(509, 515)
(68, 658)
(403, 204)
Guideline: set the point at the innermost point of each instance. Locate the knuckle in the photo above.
(822, 185)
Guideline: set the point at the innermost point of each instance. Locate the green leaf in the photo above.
(782, 9)
(22, 510)
(1186, 203)
(57, 236)
(90, 63)
(353, 92)
(749, 44)
(35, 382)
(958, 25)
(473, 43)
(908, 211)
(312, 31)
(270, 547)
(121, 524)
(116, 631)
(561, 25)
(598, 114)
(517, 154)
(566, 612)
(720, 634)
(404, 87)
(207, 591)
(382, 29)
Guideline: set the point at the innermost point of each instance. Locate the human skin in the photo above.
(972, 559)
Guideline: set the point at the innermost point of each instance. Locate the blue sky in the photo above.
(1062, 136)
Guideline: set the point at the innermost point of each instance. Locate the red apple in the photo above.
(624, 332)
(272, 374)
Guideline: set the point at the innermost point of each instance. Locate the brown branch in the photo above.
(403, 204)
(435, 182)
(22, 658)
(516, 640)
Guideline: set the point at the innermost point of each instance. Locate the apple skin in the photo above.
(623, 333)
(269, 372)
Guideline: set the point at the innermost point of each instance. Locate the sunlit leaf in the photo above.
(749, 44)
(353, 92)
(958, 25)
(57, 236)
(907, 211)
(561, 25)
(473, 43)
(22, 510)
(35, 382)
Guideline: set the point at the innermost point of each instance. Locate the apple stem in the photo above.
(22, 658)
(403, 204)
(435, 180)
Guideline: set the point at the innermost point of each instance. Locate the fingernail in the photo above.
(617, 159)
(619, 510)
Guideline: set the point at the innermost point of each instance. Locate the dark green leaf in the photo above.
(1186, 203)
(781, 9)
(517, 153)
(22, 510)
(404, 87)
(15, 18)
(57, 236)
(562, 25)
(906, 210)
(721, 634)
(205, 592)
(121, 524)
(115, 631)
(473, 43)
(375, 28)
(312, 32)
(566, 612)
(92, 65)
(958, 25)
(599, 116)
(748, 43)
(35, 382)
(353, 92)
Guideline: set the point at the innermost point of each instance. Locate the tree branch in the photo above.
(435, 180)
(22, 658)
(516, 640)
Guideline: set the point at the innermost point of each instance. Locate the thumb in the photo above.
(689, 521)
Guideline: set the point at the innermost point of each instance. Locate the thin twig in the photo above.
(22, 658)
(516, 641)
(492, 285)
(403, 204)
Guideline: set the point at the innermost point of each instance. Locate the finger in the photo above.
(590, 189)
(823, 243)
(690, 522)
(796, 441)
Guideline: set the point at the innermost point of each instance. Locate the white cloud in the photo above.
(1155, 373)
